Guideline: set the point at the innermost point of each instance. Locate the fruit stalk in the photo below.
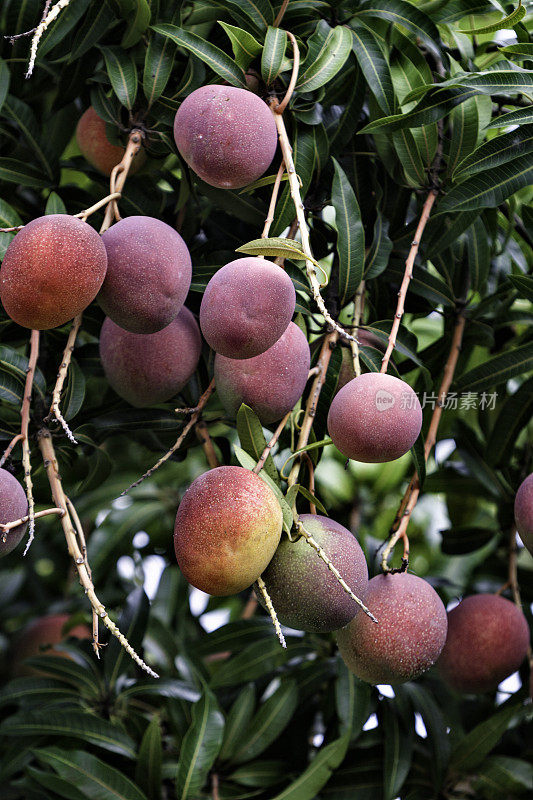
(408, 274)
(52, 471)
(118, 177)
(410, 497)
(204, 437)
(196, 413)
(271, 610)
(5, 527)
(25, 421)
(61, 375)
(357, 314)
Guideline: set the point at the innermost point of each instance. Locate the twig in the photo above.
(24, 427)
(190, 424)
(320, 552)
(62, 374)
(214, 786)
(410, 497)
(280, 108)
(327, 348)
(272, 207)
(48, 17)
(357, 314)
(280, 260)
(300, 215)
(83, 547)
(71, 535)
(118, 177)
(9, 448)
(13, 229)
(103, 202)
(12, 38)
(202, 432)
(408, 274)
(5, 527)
(273, 616)
(266, 452)
(311, 485)
(281, 14)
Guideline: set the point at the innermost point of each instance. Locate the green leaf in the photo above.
(522, 116)
(417, 451)
(215, 58)
(98, 19)
(488, 190)
(62, 26)
(259, 774)
(275, 247)
(273, 54)
(435, 723)
(4, 81)
(259, 12)
(374, 67)
(254, 661)
(350, 235)
(23, 116)
(237, 722)
(500, 150)
(398, 752)
(245, 47)
(158, 64)
(59, 787)
(458, 541)
(410, 158)
(33, 691)
(55, 205)
(200, 747)
(308, 153)
(317, 774)
(472, 748)
(269, 722)
(74, 395)
(138, 22)
(434, 106)
(524, 284)
(513, 416)
(329, 60)
(503, 776)
(132, 623)
(465, 132)
(72, 725)
(509, 21)
(377, 258)
(478, 257)
(253, 440)
(406, 15)
(12, 362)
(93, 777)
(148, 769)
(122, 74)
(520, 51)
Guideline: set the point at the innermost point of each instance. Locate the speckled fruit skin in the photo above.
(487, 641)
(13, 505)
(270, 383)
(347, 371)
(52, 271)
(305, 594)
(523, 512)
(408, 638)
(38, 639)
(227, 529)
(146, 369)
(246, 307)
(148, 275)
(97, 149)
(226, 135)
(375, 418)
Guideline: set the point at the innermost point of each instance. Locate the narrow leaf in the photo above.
(350, 234)
(122, 74)
(273, 54)
(329, 61)
(200, 746)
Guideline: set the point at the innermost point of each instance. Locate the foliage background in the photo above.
(270, 723)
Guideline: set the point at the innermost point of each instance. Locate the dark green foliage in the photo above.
(392, 101)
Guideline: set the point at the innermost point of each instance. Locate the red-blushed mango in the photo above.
(487, 640)
(148, 275)
(13, 506)
(375, 418)
(408, 638)
(523, 512)
(92, 140)
(226, 135)
(39, 637)
(305, 594)
(227, 529)
(150, 368)
(271, 383)
(246, 307)
(52, 270)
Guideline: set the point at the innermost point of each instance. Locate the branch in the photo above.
(5, 527)
(273, 200)
(294, 75)
(62, 374)
(196, 412)
(202, 432)
(46, 21)
(357, 314)
(300, 215)
(118, 177)
(71, 535)
(24, 426)
(266, 452)
(410, 497)
(281, 14)
(426, 209)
